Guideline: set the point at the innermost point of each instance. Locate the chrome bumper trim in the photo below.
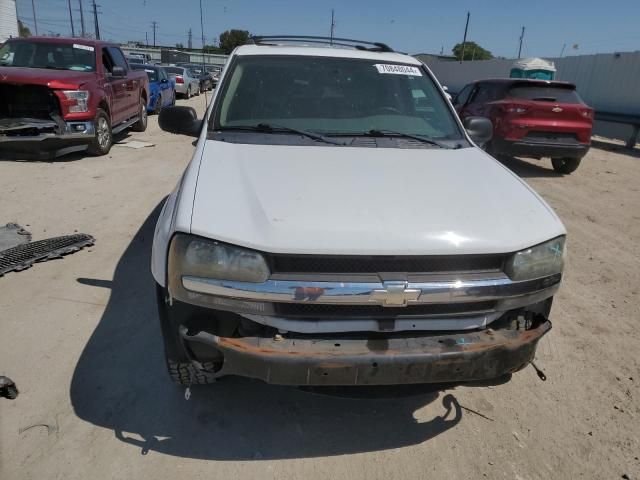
(87, 132)
(385, 293)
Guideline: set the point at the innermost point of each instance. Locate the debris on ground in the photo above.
(8, 388)
(23, 256)
(135, 144)
(13, 234)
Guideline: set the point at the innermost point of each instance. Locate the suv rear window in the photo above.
(546, 94)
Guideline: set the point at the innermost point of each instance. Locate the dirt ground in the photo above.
(81, 339)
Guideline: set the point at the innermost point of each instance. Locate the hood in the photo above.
(56, 79)
(368, 201)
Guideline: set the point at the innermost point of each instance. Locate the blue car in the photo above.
(162, 87)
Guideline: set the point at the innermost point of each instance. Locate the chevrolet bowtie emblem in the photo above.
(395, 294)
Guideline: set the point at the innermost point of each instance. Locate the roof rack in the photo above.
(341, 42)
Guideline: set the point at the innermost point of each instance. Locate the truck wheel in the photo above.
(101, 143)
(187, 374)
(141, 124)
(565, 165)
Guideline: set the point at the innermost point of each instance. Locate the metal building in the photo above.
(8, 19)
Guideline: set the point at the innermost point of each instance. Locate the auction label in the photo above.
(83, 47)
(398, 69)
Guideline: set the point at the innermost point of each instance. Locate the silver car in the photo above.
(187, 82)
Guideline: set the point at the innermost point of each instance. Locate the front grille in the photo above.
(358, 264)
(312, 310)
(552, 137)
(27, 101)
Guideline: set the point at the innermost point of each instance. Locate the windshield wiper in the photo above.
(391, 133)
(271, 128)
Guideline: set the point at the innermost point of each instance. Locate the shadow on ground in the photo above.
(120, 383)
(616, 148)
(529, 168)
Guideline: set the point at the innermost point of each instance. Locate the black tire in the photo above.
(188, 94)
(173, 99)
(141, 124)
(103, 140)
(565, 165)
(158, 105)
(11, 392)
(198, 90)
(187, 374)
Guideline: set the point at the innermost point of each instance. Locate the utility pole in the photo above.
(35, 20)
(96, 26)
(154, 24)
(73, 32)
(146, 39)
(190, 44)
(464, 40)
(521, 38)
(564, 45)
(333, 25)
(81, 19)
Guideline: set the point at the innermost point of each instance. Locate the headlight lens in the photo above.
(199, 257)
(539, 261)
(78, 100)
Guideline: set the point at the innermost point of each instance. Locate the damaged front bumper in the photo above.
(43, 139)
(437, 358)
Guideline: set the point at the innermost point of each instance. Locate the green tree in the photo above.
(232, 39)
(23, 29)
(212, 49)
(472, 51)
(179, 45)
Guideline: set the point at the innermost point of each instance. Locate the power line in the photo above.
(464, 40)
(154, 24)
(82, 19)
(96, 25)
(73, 32)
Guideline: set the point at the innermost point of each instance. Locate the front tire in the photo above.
(187, 374)
(158, 105)
(189, 92)
(141, 124)
(103, 140)
(565, 165)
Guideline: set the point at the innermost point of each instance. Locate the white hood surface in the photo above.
(365, 201)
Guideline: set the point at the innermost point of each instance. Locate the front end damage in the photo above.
(308, 328)
(31, 124)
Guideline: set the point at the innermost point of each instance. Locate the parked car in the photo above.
(135, 60)
(214, 72)
(187, 83)
(338, 225)
(532, 118)
(206, 82)
(162, 88)
(61, 95)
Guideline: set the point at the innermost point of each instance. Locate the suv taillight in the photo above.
(513, 108)
(587, 113)
(179, 79)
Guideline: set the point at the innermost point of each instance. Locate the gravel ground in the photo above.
(81, 339)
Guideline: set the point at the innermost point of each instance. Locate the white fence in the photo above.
(607, 82)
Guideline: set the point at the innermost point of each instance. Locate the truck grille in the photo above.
(311, 310)
(27, 101)
(358, 264)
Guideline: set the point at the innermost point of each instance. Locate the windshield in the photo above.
(334, 96)
(151, 72)
(59, 56)
(173, 71)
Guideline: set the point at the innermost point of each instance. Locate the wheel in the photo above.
(189, 92)
(565, 165)
(198, 90)
(158, 105)
(187, 374)
(173, 99)
(101, 143)
(141, 124)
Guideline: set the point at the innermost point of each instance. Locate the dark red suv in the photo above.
(531, 118)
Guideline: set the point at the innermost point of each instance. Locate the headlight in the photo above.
(198, 257)
(77, 100)
(539, 261)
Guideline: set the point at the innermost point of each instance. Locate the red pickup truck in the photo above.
(62, 95)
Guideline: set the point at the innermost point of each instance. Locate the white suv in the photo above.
(339, 225)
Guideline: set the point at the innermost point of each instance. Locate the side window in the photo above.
(117, 57)
(464, 94)
(482, 94)
(107, 61)
(163, 74)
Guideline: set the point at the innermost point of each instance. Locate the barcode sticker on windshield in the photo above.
(398, 69)
(83, 47)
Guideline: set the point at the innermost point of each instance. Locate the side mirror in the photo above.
(164, 80)
(118, 72)
(479, 129)
(180, 120)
